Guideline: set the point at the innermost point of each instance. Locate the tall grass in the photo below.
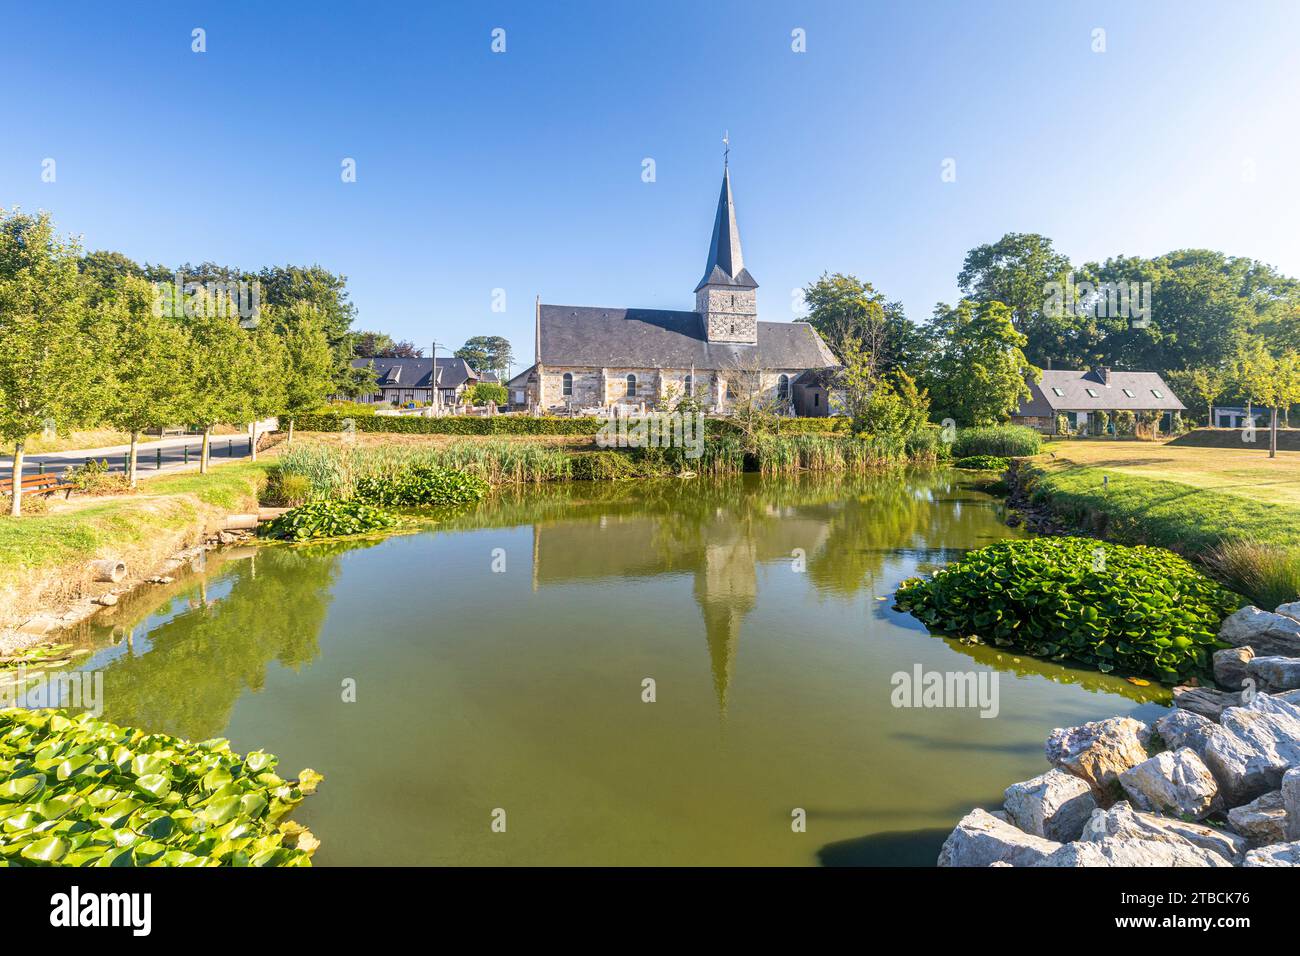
(1004, 441)
(333, 472)
(1267, 574)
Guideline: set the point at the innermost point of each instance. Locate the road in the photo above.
(169, 454)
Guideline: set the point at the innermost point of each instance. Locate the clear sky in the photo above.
(522, 170)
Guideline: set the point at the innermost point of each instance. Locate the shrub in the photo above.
(453, 425)
(1266, 574)
(1062, 424)
(927, 444)
(1008, 441)
(1125, 423)
(488, 393)
(425, 485)
(78, 791)
(327, 519)
(289, 489)
(1140, 610)
(983, 463)
(1101, 423)
(94, 478)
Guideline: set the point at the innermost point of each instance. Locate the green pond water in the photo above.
(754, 605)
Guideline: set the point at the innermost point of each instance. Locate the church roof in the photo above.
(726, 265)
(654, 338)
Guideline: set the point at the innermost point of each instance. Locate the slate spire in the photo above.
(726, 265)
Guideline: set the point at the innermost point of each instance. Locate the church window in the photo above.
(567, 384)
(631, 386)
(690, 386)
(783, 387)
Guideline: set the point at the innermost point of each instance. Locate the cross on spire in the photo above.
(726, 152)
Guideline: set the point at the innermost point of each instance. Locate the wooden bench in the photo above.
(38, 485)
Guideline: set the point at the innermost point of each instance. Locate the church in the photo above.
(590, 358)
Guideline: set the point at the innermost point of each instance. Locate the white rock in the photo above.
(1262, 821)
(1121, 852)
(1230, 666)
(1260, 742)
(1291, 804)
(1176, 781)
(1185, 728)
(1262, 631)
(1054, 805)
(1099, 752)
(1123, 822)
(1275, 673)
(1291, 610)
(1279, 854)
(981, 839)
(1205, 701)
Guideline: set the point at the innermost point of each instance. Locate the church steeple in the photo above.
(725, 298)
(726, 265)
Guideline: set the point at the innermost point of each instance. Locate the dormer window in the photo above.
(1157, 393)
(1128, 393)
(1058, 392)
(1092, 393)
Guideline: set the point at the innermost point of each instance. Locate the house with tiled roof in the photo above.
(594, 357)
(401, 381)
(1081, 395)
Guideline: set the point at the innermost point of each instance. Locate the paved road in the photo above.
(169, 454)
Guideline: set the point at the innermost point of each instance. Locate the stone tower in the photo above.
(726, 298)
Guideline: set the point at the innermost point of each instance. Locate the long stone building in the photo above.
(588, 357)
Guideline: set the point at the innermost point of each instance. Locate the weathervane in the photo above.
(726, 153)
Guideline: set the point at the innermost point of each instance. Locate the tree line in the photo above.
(484, 353)
(89, 340)
(1216, 326)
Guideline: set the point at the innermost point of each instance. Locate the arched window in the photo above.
(783, 387)
(690, 386)
(631, 386)
(567, 384)
(731, 389)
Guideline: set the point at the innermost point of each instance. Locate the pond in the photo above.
(500, 662)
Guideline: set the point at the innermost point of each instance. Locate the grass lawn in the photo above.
(1180, 497)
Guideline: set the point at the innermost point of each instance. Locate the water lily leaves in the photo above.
(308, 780)
(80, 791)
(49, 850)
(155, 784)
(1149, 612)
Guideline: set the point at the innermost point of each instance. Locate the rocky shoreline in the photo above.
(1215, 782)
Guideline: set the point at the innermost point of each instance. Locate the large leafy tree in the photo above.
(152, 366)
(51, 370)
(487, 353)
(382, 345)
(307, 372)
(1207, 384)
(1017, 271)
(226, 372)
(856, 320)
(979, 372)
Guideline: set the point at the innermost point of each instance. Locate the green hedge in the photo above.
(983, 463)
(453, 425)
(1138, 610)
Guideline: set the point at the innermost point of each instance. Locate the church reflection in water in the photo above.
(720, 534)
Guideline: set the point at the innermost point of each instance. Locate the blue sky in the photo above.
(522, 170)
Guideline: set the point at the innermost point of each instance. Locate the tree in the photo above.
(842, 306)
(1017, 271)
(979, 373)
(1207, 384)
(266, 394)
(50, 367)
(225, 373)
(152, 367)
(308, 362)
(487, 393)
(381, 345)
(1275, 381)
(282, 286)
(487, 353)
